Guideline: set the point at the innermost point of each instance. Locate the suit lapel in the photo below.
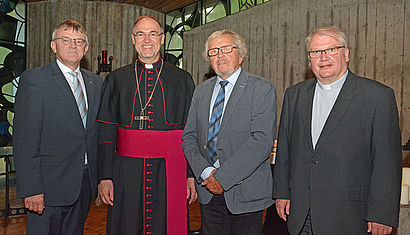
(234, 98)
(205, 109)
(342, 104)
(90, 89)
(307, 112)
(65, 88)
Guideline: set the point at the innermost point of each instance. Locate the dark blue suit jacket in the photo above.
(49, 137)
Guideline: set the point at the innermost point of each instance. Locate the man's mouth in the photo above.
(325, 66)
(221, 62)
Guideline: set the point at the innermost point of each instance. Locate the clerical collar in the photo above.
(150, 66)
(334, 85)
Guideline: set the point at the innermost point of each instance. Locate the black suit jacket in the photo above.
(49, 137)
(353, 175)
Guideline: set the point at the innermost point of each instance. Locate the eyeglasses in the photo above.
(68, 40)
(151, 35)
(224, 50)
(329, 51)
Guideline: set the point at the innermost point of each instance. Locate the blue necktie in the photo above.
(79, 97)
(215, 122)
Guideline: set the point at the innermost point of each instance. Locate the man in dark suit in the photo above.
(55, 137)
(228, 139)
(338, 163)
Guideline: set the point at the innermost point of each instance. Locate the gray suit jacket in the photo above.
(353, 175)
(244, 145)
(49, 138)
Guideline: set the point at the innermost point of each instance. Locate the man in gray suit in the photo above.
(228, 139)
(338, 162)
(55, 137)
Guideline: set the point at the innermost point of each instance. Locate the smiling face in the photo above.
(328, 69)
(148, 49)
(224, 64)
(70, 55)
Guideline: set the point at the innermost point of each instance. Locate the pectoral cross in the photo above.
(141, 118)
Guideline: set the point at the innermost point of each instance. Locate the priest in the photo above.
(142, 168)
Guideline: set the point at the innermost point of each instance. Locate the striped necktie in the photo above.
(79, 97)
(215, 122)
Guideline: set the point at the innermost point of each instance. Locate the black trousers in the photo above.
(216, 219)
(64, 220)
(307, 227)
(274, 225)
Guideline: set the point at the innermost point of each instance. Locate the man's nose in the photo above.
(72, 43)
(324, 55)
(220, 54)
(146, 38)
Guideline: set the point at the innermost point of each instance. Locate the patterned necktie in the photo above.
(79, 97)
(215, 121)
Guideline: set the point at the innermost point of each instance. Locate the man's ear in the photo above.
(346, 54)
(53, 46)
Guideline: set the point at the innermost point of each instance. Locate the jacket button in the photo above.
(204, 146)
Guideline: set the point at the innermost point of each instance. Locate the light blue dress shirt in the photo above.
(228, 90)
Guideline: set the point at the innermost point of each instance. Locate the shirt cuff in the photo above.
(207, 171)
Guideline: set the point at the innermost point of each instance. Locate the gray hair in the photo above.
(238, 42)
(69, 24)
(332, 31)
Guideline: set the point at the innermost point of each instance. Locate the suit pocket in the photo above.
(50, 160)
(358, 194)
(256, 187)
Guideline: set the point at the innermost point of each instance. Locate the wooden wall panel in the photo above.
(275, 32)
(109, 27)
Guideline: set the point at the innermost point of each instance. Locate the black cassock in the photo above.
(140, 183)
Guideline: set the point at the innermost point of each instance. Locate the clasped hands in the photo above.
(212, 184)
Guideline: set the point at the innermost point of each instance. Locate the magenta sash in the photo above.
(168, 145)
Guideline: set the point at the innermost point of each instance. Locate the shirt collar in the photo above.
(231, 79)
(66, 69)
(156, 64)
(335, 85)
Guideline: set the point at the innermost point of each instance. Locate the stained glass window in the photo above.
(12, 61)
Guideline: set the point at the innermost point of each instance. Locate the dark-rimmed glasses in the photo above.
(68, 40)
(328, 51)
(224, 50)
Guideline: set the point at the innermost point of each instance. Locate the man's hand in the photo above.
(106, 192)
(378, 229)
(212, 184)
(191, 193)
(35, 203)
(282, 207)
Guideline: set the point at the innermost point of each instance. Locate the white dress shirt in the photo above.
(65, 70)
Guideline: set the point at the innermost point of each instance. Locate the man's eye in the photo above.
(332, 49)
(315, 52)
(153, 34)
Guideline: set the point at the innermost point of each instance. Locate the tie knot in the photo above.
(223, 83)
(73, 74)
